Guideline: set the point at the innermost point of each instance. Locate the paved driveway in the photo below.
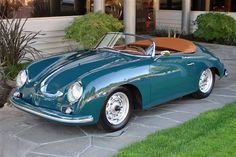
(24, 135)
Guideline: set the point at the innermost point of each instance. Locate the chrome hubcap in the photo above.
(206, 80)
(117, 108)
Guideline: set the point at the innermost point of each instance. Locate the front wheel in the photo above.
(117, 110)
(205, 84)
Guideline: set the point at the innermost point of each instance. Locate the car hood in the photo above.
(71, 68)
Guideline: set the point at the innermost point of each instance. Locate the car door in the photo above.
(170, 77)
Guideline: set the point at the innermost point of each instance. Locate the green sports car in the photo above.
(121, 73)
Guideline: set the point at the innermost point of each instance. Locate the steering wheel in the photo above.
(139, 49)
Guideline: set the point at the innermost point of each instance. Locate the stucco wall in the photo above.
(51, 39)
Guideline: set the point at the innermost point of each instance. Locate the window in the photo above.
(112, 7)
(214, 5)
(198, 5)
(171, 4)
(223, 5)
(42, 8)
(233, 6)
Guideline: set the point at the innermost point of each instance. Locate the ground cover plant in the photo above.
(212, 134)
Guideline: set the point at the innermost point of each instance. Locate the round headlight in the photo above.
(21, 78)
(75, 91)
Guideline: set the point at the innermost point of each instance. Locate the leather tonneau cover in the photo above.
(174, 44)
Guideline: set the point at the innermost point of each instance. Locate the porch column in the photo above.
(186, 9)
(99, 5)
(207, 5)
(130, 16)
(156, 4)
(156, 7)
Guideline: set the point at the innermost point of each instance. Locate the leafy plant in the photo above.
(216, 27)
(12, 71)
(89, 28)
(15, 43)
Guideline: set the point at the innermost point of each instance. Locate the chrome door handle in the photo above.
(191, 63)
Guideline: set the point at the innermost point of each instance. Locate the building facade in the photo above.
(51, 17)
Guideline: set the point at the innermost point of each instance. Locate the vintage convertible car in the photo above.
(123, 72)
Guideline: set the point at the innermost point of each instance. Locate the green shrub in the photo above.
(89, 28)
(216, 27)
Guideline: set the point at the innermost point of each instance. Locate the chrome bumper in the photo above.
(49, 115)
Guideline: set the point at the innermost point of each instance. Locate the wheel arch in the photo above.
(136, 95)
(215, 70)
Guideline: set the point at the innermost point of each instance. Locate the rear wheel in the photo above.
(117, 110)
(206, 84)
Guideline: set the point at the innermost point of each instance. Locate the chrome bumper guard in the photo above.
(226, 73)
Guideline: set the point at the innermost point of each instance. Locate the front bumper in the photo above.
(50, 114)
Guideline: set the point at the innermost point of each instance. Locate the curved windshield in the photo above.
(127, 43)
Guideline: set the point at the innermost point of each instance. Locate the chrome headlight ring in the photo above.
(75, 92)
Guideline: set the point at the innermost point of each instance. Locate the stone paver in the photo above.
(50, 132)
(25, 135)
(113, 143)
(156, 121)
(179, 116)
(95, 151)
(65, 147)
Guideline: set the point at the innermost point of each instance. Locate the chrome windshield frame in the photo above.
(153, 44)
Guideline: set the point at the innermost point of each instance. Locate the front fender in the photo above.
(98, 85)
(213, 61)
